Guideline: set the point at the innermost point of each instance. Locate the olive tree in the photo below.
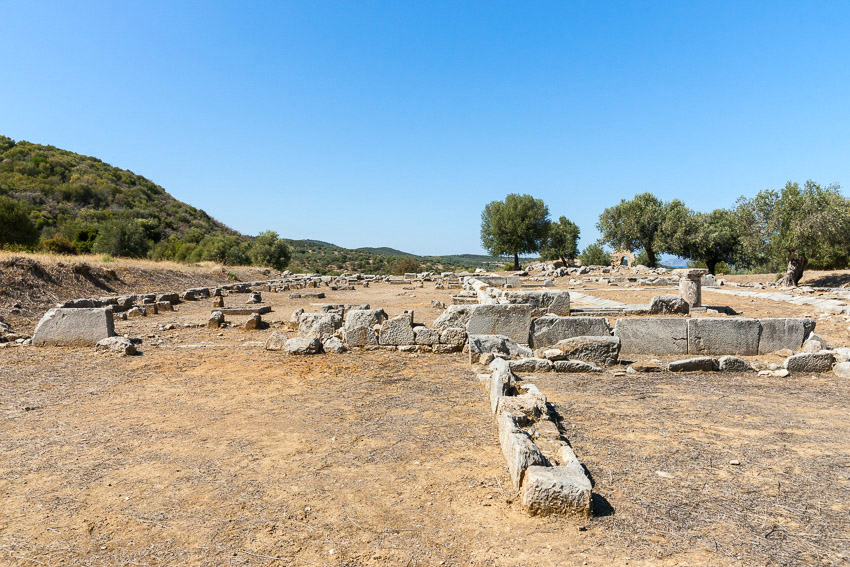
(562, 241)
(517, 225)
(706, 237)
(797, 226)
(642, 222)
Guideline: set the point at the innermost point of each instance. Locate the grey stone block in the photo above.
(454, 316)
(697, 364)
(604, 350)
(519, 450)
(318, 325)
(733, 364)
(550, 330)
(513, 321)
(780, 333)
(530, 365)
(74, 327)
(501, 381)
(652, 335)
(810, 362)
(715, 335)
(556, 490)
(574, 366)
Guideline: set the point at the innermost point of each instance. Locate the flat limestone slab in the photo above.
(652, 335)
(74, 327)
(778, 334)
(715, 335)
(513, 321)
(244, 310)
(550, 330)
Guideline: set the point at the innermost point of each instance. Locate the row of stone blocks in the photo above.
(639, 335)
(543, 467)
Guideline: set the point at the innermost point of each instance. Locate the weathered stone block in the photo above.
(454, 316)
(74, 327)
(496, 344)
(519, 450)
(302, 345)
(780, 333)
(364, 318)
(697, 364)
(397, 331)
(604, 350)
(667, 304)
(714, 335)
(426, 336)
(513, 321)
(318, 325)
(530, 365)
(453, 336)
(810, 362)
(501, 381)
(556, 490)
(549, 330)
(574, 366)
(733, 364)
(652, 335)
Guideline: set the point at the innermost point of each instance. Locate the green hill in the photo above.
(68, 194)
(73, 203)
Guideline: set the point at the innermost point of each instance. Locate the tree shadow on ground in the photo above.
(830, 280)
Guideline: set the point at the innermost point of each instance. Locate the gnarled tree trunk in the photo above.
(712, 266)
(793, 272)
(516, 261)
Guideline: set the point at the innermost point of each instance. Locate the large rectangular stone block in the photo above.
(777, 334)
(652, 335)
(549, 330)
(715, 335)
(556, 301)
(512, 321)
(74, 327)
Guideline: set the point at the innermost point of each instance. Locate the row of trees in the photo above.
(132, 238)
(797, 227)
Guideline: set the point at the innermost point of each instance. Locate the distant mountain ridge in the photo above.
(72, 196)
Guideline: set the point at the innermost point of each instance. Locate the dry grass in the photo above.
(99, 261)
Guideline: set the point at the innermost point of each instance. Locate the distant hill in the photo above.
(69, 192)
(71, 198)
(323, 257)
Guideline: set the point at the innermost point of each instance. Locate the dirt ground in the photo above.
(209, 450)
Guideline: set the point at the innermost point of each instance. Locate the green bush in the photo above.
(58, 245)
(595, 255)
(406, 265)
(269, 250)
(15, 224)
(121, 238)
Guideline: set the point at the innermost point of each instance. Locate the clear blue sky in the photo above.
(392, 124)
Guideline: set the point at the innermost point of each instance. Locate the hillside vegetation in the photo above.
(54, 200)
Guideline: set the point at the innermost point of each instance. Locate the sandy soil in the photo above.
(206, 449)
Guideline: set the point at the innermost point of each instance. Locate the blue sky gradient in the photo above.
(392, 124)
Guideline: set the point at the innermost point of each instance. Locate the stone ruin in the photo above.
(623, 258)
(514, 326)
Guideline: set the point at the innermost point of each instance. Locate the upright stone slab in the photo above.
(778, 334)
(715, 335)
(74, 327)
(550, 330)
(652, 335)
(513, 321)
